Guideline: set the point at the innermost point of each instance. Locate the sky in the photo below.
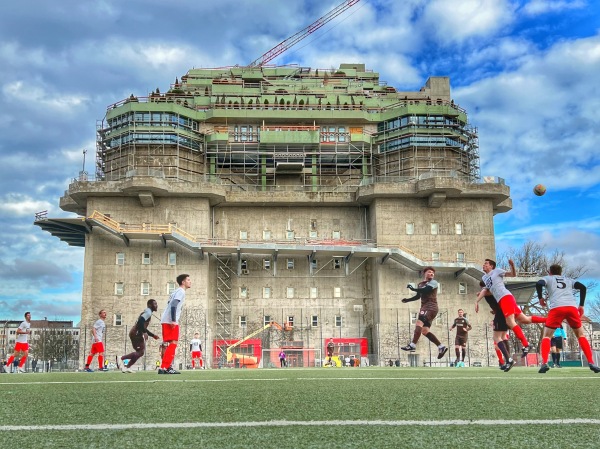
(527, 72)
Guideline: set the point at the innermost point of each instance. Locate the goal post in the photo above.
(295, 358)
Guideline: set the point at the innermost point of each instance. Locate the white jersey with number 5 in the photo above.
(560, 291)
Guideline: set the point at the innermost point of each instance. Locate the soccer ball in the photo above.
(539, 189)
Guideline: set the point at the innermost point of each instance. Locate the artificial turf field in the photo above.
(296, 408)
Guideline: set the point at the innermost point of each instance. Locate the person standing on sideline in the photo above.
(170, 324)
(462, 325)
(330, 351)
(21, 345)
(282, 357)
(563, 306)
(426, 291)
(97, 344)
(196, 351)
(556, 345)
(138, 335)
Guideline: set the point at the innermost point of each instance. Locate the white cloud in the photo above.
(18, 204)
(537, 7)
(453, 22)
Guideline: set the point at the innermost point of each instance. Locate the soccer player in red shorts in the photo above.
(97, 345)
(21, 345)
(494, 283)
(563, 306)
(196, 351)
(170, 323)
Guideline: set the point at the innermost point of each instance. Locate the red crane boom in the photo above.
(293, 40)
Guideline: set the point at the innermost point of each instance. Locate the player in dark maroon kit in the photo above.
(426, 291)
(462, 325)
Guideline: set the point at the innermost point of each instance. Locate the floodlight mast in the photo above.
(293, 40)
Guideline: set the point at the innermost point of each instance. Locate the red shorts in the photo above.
(196, 354)
(21, 347)
(509, 306)
(97, 348)
(170, 334)
(558, 314)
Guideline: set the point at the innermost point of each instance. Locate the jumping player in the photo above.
(196, 351)
(500, 327)
(170, 323)
(21, 345)
(426, 291)
(138, 336)
(462, 325)
(97, 344)
(494, 283)
(330, 351)
(563, 306)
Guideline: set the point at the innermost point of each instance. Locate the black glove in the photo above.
(410, 287)
(405, 300)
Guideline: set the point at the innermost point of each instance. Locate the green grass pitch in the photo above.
(304, 408)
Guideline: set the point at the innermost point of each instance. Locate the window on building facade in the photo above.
(313, 234)
(171, 287)
(243, 235)
(289, 292)
(119, 288)
(337, 292)
(266, 319)
(458, 228)
(289, 234)
(435, 257)
(266, 292)
(314, 264)
(172, 258)
(314, 292)
(145, 289)
(290, 264)
(145, 258)
(266, 235)
(413, 317)
(243, 320)
(267, 264)
(118, 319)
(337, 263)
(462, 288)
(460, 257)
(410, 228)
(314, 320)
(243, 292)
(290, 321)
(120, 259)
(338, 321)
(435, 229)
(336, 235)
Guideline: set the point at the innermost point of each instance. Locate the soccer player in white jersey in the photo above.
(21, 345)
(196, 350)
(494, 284)
(170, 323)
(97, 343)
(563, 306)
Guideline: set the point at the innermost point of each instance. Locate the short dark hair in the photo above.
(25, 314)
(428, 268)
(150, 301)
(491, 262)
(555, 269)
(182, 278)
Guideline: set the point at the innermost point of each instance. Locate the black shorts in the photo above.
(500, 323)
(460, 341)
(427, 317)
(556, 342)
(139, 343)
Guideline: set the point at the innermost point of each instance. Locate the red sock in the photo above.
(89, 360)
(538, 319)
(22, 361)
(520, 335)
(100, 362)
(499, 354)
(193, 364)
(584, 344)
(201, 363)
(169, 356)
(10, 360)
(545, 349)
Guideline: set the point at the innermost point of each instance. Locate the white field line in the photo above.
(162, 379)
(193, 425)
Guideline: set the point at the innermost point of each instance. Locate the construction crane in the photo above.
(249, 359)
(293, 40)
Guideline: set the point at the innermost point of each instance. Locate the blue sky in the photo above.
(526, 71)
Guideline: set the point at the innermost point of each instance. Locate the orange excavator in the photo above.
(245, 360)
